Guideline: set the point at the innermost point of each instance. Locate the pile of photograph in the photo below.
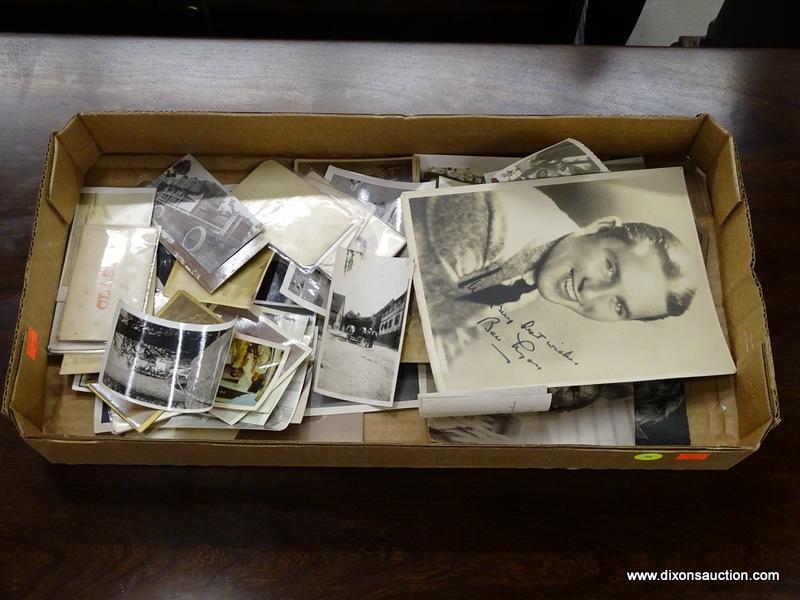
(550, 299)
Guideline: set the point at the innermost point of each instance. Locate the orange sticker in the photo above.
(693, 456)
(32, 347)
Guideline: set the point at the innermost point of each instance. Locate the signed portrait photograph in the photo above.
(593, 278)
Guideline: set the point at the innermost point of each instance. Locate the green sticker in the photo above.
(649, 456)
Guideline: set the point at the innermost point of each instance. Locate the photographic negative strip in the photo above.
(203, 224)
(382, 195)
(363, 332)
(253, 365)
(569, 281)
(165, 364)
(309, 290)
(567, 157)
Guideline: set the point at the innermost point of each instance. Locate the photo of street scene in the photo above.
(364, 327)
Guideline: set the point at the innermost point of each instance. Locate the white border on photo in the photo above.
(176, 326)
(293, 272)
(340, 259)
(490, 176)
(273, 382)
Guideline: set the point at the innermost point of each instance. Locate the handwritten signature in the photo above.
(527, 338)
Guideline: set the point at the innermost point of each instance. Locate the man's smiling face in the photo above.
(605, 278)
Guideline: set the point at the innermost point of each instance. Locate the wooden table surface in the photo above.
(320, 533)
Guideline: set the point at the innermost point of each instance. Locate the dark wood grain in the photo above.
(320, 533)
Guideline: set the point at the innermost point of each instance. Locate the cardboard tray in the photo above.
(729, 416)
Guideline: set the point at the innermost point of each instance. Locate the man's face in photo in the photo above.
(605, 278)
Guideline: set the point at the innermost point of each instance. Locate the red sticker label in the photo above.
(693, 456)
(32, 347)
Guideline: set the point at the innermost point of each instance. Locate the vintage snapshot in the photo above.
(381, 194)
(461, 168)
(405, 396)
(252, 366)
(203, 225)
(372, 236)
(582, 280)
(599, 416)
(309, 290)
(403, 168)
(135, 416)
(165, 364)
(568, 157)
(360, 347)
(300, 223)
(269, 292)
(112, 263)
(105, 206)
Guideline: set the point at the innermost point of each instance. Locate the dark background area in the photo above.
(740, 23)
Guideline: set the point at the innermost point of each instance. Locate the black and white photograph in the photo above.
(461, 168)
(660, 410)
(165, 364)
(568, 157)
(253, 365)
(372, 236)
(405, 396)
(360, 346)
(309, 290)
(403, 168)
(382, 195)
(567, 281)
(269, 292)
(593, 415)
(203, 224)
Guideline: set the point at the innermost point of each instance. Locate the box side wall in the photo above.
(756, 389)
(115, 451)
(381, 135)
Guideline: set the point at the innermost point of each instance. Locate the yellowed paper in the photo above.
(239, 291)
(112, 264)
(85, 362)
(299, 221)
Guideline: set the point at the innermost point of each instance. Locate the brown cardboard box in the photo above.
(729, 416)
